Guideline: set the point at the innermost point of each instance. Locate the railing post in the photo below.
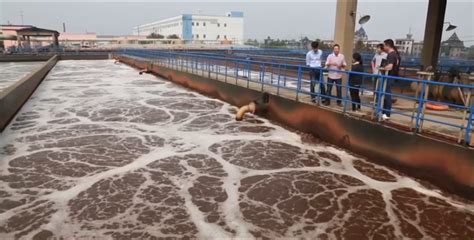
(202, 67)
(347, 95)
(298, 83)
(247, 68)
(467, 107)
(421, 104)
(278, 81)
(417, 92)
(218, 70)
(225, 74)
(467, 135)
(322, 81)
(425, 98)
(271, 75)
(263, 75)
(236, 72)
(208, 69)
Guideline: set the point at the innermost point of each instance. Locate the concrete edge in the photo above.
(15, 96)
(36, 58)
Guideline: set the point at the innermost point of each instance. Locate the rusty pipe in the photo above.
(249, 108)
(144, 71)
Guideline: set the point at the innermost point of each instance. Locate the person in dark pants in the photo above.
(392, 66)
(377, 62)
(355, 80)
(335, 61)
(313, 60)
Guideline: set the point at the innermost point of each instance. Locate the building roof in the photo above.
(14, 26)
(453, 41)
(36, 30)
(361, 34)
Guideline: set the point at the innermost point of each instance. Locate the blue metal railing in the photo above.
(294, 79)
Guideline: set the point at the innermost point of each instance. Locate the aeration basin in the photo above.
(100, 151)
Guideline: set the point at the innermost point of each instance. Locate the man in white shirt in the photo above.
(379, 56)
(313, 60)
(335, 61)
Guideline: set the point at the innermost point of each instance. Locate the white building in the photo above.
(405, 45)
(199, 28)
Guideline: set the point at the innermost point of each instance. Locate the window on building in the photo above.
(218, 36)
(192, 24)
(197, 23)
(218, 25)
(204, 36)
(225, 24)
(225, 36)
(203, 24)
(197, 35)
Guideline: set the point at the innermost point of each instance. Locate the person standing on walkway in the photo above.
(355, 80)
(379, 57)
(313, 60)
(392, 67)
(335, 61)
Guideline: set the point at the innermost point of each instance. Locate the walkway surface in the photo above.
(102, 152)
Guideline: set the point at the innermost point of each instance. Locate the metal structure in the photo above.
(294, 78)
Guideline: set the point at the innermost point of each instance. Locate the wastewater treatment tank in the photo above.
(100, 151)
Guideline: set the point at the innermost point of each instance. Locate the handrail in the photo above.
(296, 66)
(293, 77)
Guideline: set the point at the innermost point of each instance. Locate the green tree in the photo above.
(173, 36)
(470, 52)
(155, 36)
(360, 46)
(252, 42)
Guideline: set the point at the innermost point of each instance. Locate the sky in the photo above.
(277, 19)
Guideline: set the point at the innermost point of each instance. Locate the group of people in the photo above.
(385, 61)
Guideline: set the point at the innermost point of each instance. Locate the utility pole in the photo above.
(21, 14)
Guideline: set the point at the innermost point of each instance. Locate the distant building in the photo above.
(329, 43)
(453, 47)
(405, 45)
(87, 40)
(417, 48)
(361, 35)
(372, 44)
(198, 28)
(24, 37)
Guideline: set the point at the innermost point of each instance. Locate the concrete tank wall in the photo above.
(13, 97)
(447, 165)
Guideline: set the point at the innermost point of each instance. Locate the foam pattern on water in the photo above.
(101, 151)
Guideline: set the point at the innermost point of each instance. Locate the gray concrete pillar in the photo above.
(433, 33)
(345, 27)
(346, 13)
